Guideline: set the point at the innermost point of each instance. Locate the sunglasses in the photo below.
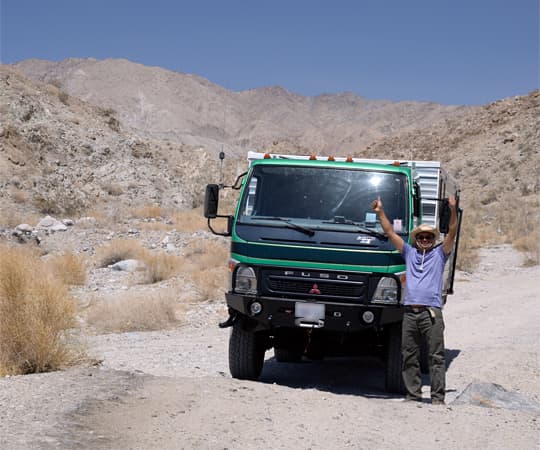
(424, 237)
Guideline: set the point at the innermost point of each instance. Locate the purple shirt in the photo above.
(424, 275)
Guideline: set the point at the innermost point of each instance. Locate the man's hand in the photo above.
(452, 202)
(376, 205)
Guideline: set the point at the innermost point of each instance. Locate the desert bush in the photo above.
(529, 244)
(112, 189)
(141, 312)
(63, 96)
(19, 196)
(148, 212)
(118, 250)
(69, 268)
(189, 220)
(206, 264)
(160, 266)
(36, 314)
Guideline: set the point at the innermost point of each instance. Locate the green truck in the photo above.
(312, 274)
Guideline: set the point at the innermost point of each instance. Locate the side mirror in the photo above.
(211, 201)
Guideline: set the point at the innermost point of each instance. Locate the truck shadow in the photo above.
(363, 376)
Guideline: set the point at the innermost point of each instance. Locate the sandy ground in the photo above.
(172, 390)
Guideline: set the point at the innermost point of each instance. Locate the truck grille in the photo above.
(310, 284)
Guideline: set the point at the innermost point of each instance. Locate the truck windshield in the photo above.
(324, 197)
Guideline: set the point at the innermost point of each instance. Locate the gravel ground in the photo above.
(172, 389)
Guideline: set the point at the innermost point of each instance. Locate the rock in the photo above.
(51, 224)
(491, 395)
(127, 265)
(24, 227)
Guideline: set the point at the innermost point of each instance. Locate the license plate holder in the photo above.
(309, 315)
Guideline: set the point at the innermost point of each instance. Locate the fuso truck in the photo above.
(312, 274)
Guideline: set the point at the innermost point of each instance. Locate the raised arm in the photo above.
(395, 238)
(448, 243)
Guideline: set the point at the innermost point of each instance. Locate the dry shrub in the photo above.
(118, 250)
(207, 267)
(530, 245)
(69, 268)
(141, 312)
(160, 266)
(19, 196)
(469, 245)
(189, 220)
(36, 314)
(149, 212)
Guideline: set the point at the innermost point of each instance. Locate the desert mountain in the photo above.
(186, 108)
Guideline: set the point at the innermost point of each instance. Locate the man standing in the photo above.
(423, 318)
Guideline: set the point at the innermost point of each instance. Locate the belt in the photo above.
(416, 309)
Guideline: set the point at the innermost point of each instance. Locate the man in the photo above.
(422, 318)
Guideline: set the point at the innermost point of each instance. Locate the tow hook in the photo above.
(233, 315)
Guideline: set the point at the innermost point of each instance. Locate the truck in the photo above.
(311, 272)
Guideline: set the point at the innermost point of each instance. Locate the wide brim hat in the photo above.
(424, 228)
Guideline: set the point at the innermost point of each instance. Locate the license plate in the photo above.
(309, 312)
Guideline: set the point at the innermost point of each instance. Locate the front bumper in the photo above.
(346, 317)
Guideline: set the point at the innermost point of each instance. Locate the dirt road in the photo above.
(172, 390)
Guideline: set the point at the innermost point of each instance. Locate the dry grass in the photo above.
(141, 312)
(148, 212)
(69, 268)
(189, 220)
(19, 196)
(206, 265)
(118, 250)
(36, 314)
(530, 245)
(160, 266)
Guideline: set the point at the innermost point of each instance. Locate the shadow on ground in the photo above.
(362, 376)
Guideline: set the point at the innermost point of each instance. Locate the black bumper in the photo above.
(347, 317)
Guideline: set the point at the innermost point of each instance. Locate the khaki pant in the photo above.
(418, 326)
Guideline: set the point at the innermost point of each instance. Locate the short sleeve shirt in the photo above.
(424, 275)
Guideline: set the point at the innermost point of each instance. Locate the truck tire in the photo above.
(246, 352)
(287, 355)
(393, 375)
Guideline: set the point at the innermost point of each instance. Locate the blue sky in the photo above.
(450, 52)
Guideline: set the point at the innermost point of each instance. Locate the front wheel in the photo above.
(246, 352)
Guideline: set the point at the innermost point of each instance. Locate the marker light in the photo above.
(267, 156)
(331, 158)
(349, 159)
(312, 157)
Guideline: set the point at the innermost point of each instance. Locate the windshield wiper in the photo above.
(288, 223)
(342, 220)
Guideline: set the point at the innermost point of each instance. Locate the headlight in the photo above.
(245, 280)
(386, 292)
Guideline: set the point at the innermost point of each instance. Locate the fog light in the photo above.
(255, 308)
(368, 316)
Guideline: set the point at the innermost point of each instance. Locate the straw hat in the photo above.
(424, 228)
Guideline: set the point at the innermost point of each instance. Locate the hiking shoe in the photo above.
(437, 402)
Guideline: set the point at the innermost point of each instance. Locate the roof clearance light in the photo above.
(312, 157)
(267, 156)
(396, 163)
(331, 158)
(349, 159)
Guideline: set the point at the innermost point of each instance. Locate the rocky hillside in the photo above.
(105, 134)
(62, 155)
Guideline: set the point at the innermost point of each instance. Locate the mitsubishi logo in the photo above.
(315, 289)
